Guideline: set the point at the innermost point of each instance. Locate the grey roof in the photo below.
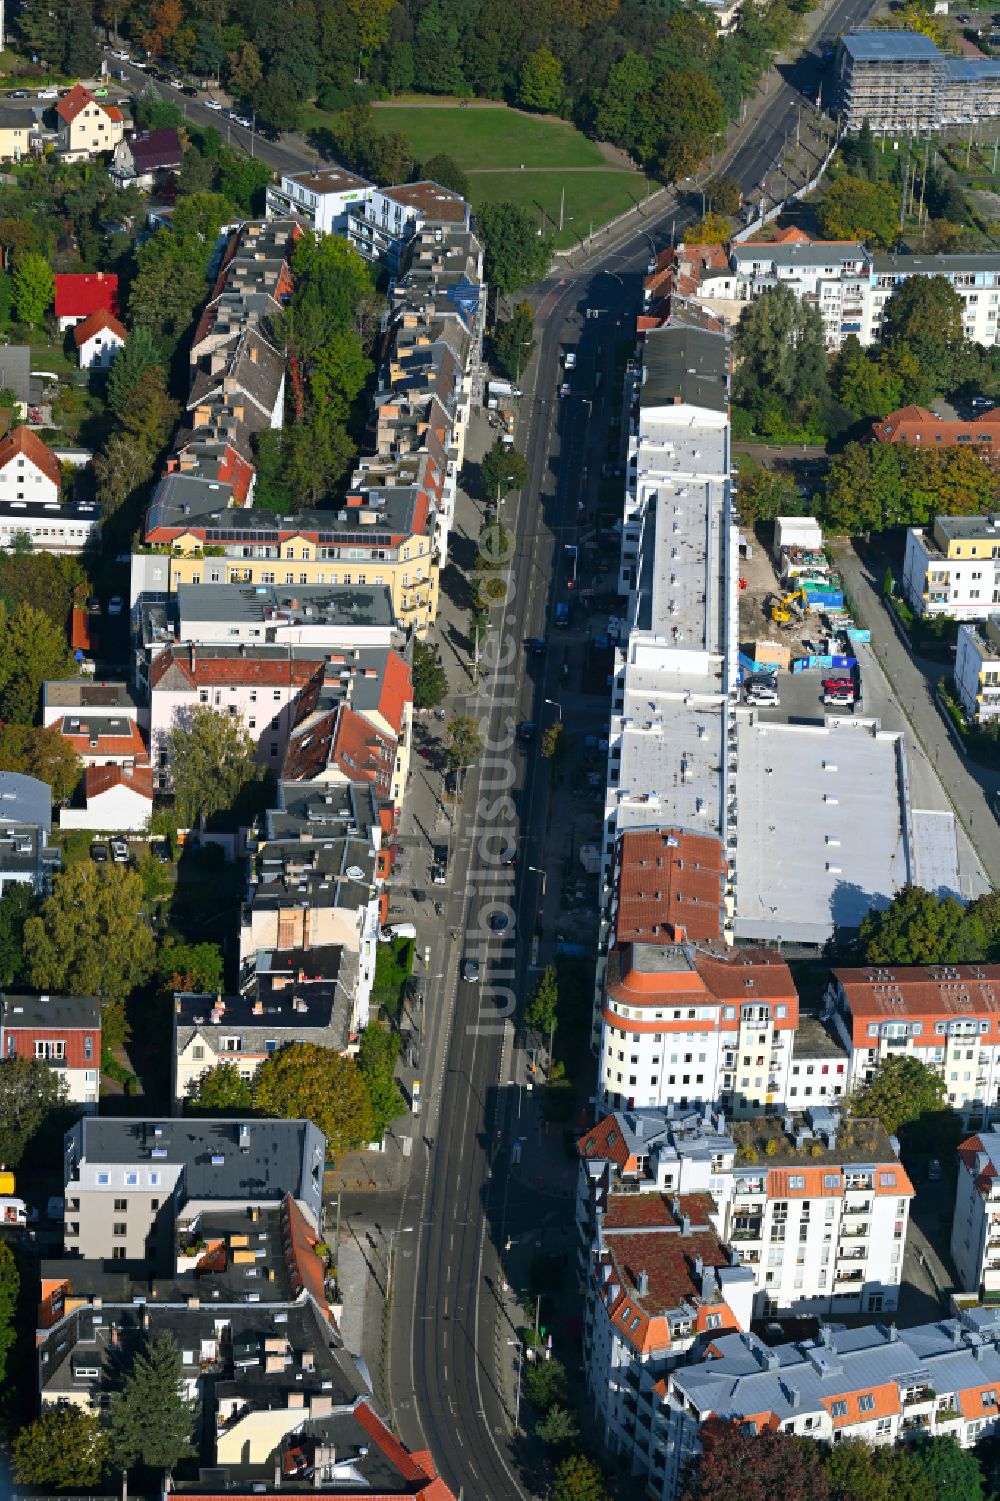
(886, 264)
(317, 809)
(812, 1040)
(251, 366)
(222, 1159)
(816, 253)
(182, 498)
(935, 851)
(971, 69)
(68, 1011)
(78, 693)
(53, 510)
(314, 604)
(15, 366)
(890, 46)
(685, 364)
(975, 528)
(395, 508)
(25, 800)
(746, 1377)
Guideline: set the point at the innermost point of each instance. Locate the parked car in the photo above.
(536, 645)
(499, 922)
(18, 94)
(564, 388)
(439, 865)
(119, 851)
(526, 731)
(160, 851)
(188, 91)
(934, 1171)
(115, 604)
(48, 93)
(213, 104)
(570, 360)
(761, 693)
(99, 852)
(470, 971)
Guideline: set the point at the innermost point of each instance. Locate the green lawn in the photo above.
(591, 197)
(489, 137)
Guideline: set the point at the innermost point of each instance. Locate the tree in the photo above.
(952, 1473)
(724, 194)
(780, 350)
(553, 746)
(872, 486)
(624, 114)
(541, 83)
(920, 927)
(211, 759)
(245, 70)
(578, 1479)
(712, 229)
(377, 1056)
(90, 937)
(305, 1081)
(190, 966)
(243, 179)
(902, 1089)
(64, 1449)
(463, 742)
(29, 1090)
(545, 1384)
(140, 352)
(151, 413)
(121, 468)
(32, 289)
(150, 1422)
(81, 58)
(430, 682)
(688, 110)
(924, 315)
(854, 209)
(985, 913)
(513, 340)
(222, 1091)
(10, 1283)
(42, 753)
(32, 651)
(17, 904)
(866, 384)
(767, 493)
(542, 1010)
(740, 1464)
(502, 470)
(515, 254)
(444, 169)
(558, 1428)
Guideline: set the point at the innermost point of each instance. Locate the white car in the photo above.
(213, 104)
(122, 57)
(570, 360)
(176, 83)
(758, 694)
(242, 120)
(119, 851)
(48, 93)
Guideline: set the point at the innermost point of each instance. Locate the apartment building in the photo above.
(382, 223)
(815, 1206)
(85, 126)
(916, 427)
(675, 666)
(130, 1183)
(385, 538)
(977, 670)
(305, 995)
(318, 616)
(955, 568)
(20, 133)
(25, 826)
(874, 1383)
(77, 696)
(658, 1280)
(62, 1031)
(944, 1015)
(975, 1231)
(320, 199)
(902, 84)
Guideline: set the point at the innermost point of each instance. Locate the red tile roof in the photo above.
(81, 293)
(920, 428)
(22, 442)
(669, 887)
(930, 992)
(74, 103)
(668, 1259)
(397, 691)
(632, 1211)
(196, 667)
(606, 1142)
(94, 323)
(98, 779)
(130, 746)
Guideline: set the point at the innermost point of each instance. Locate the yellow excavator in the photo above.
(781, 609)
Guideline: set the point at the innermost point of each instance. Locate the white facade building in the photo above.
(975, 1232)
(977, 669)
(320, 198)
(29, 473)
(954, 569)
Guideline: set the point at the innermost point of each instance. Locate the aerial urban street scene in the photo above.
(500, 750)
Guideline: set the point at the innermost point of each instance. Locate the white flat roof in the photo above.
(821, 827)
(935, 851)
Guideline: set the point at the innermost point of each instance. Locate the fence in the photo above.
(779, 208)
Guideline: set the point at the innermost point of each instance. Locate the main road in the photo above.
(448, 1319)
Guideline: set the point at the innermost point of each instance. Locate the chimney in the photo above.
(642, 1284)
(892, 1334)
(708, 1284)
(194, 658)
(699, 1266)
(686, 1225)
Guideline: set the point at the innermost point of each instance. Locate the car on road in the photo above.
(119, 851)
(499, 922)
(213, 104)
(470, 971)
(570, 360)
(439, 865)
(99, 852)
(189, 91)
(18, 94)
(536, 645)
(122, 57)
(526, 731)
(934, 1171)
(564, 388)
(115, 604)
(242, 120)
(48, 94)
(561, 616)
(160, 851)
(175, 83)
(93, 605)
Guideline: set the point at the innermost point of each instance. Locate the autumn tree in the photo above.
(902, 1089)
(32, 651)
(190, 966)
(40, 752)
(780, 352)
(90, 937)
(852, 208)
(740, 1463)
(578, 1479)
(377, 1055)
(541, 81)
(64, 1449)
(211, 761)
(305, 1081)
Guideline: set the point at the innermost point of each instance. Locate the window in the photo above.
(989, 1398)
(866, 1402)
(88, 1049)
(831, 1180)
(103, 1179)
(887, 1180)
(118, 1253)
(119, 1227)
(131, 1180)
(796, 1180)
(838, 1409)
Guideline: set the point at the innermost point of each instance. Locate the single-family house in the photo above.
(141, 160)
(17, 130)
(86, 126)
(29, 472)
(98, 339)
(116, 800)
(63, 1031)
(78, 294)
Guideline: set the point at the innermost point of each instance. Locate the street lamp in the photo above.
(520, 1367)
(556, 706)
(538, 871)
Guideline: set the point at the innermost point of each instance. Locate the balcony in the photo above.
(865, 1208)
(753, 1231)
(918, 1423)
(851, 1277)
(858, 1232)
